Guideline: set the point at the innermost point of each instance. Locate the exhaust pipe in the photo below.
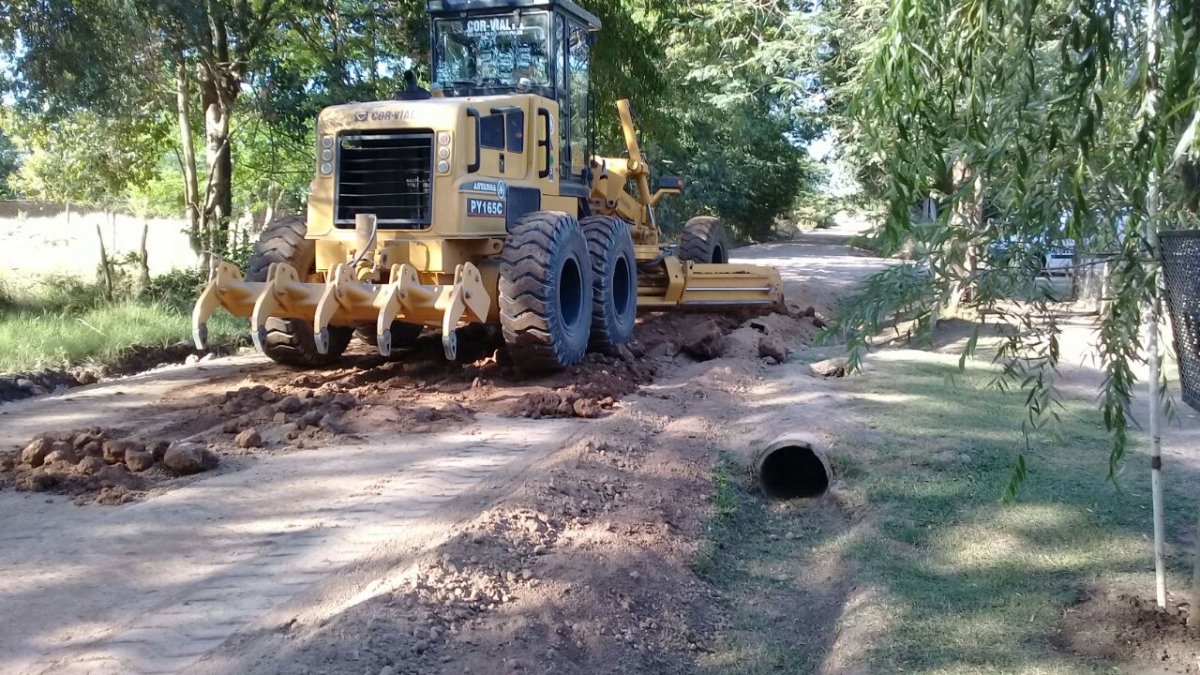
(792, 466)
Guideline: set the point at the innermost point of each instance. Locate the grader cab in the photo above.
(479, 201)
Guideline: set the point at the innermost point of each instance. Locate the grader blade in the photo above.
(343, 300)
(711, 287)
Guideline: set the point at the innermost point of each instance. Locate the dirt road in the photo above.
(246, 568)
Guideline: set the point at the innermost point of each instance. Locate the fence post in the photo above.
(144, 257)
(104, 268)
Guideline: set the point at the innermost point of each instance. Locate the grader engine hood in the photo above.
(423, 168)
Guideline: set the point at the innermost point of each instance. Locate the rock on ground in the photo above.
(835, 367)
(90, 466)
(35, 453)
(704, 341)
(138, 460)
(773, 347)
(250, 438)
(290, 404)
(188, 457)
(114, 451)
(63, 452)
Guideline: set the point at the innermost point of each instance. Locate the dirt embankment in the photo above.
(133, 360)
(274, 409)
(585, 568)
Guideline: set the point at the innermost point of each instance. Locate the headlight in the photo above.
(443, 152)
(327, 155)
(326, 168)
(444, 138)
(327, 141)
(443, 166)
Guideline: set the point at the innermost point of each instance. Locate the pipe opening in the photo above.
(793, 471)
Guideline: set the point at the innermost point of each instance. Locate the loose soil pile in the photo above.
(135, 359)
(589, 566)
(1131, 630)
(584, 569)
(275, 409)
(101, 465)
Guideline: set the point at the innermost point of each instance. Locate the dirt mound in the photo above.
(130, 361)
(423, 419)
(1129, 629)
(17, 386)
(96, 464)
(585, 569)
(586, 390)
(779, 333)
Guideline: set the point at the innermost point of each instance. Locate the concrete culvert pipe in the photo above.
(792, 466)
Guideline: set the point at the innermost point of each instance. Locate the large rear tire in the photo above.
(546, 291)
(291, 341)
(614, 280)
(704, 240)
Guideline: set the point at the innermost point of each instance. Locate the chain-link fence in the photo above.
(1181, 276)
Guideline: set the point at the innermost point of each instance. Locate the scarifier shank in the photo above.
(343, 300)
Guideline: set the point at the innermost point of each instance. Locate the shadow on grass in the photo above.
(968, 584)
(782, 589)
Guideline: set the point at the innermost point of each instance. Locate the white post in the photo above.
(1156, 488)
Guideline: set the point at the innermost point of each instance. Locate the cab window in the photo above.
(580, 87)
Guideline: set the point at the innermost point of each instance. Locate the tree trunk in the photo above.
(1189, 174)
(191, 191)
(217, 101)
(968, 217)
(273, 197)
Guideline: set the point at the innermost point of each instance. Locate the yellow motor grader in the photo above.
(479, 201)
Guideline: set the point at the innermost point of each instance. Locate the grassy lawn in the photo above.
(65, 321)
(958, 581)
(31, 338)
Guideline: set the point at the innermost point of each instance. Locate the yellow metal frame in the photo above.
(446, 275)
(344, 300)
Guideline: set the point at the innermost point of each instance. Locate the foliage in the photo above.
(737, 163)
(177, 289)
(83, 158)
(733, 137)
(1051, 115)
(36, 337)
(741, 155)
(10, 161)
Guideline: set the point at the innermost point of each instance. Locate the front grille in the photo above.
(386, 173)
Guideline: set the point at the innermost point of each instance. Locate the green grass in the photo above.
(60, 320)
(32, 338)
(973, 585)
(750, 557)
(961, 582)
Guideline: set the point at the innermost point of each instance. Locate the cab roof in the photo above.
(449, 8)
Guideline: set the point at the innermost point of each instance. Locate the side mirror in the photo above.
(671, 183)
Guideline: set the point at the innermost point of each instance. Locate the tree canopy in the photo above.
(241, 83)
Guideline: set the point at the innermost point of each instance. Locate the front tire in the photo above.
(614, 280)
(404, 334)
(290, 341)
(704, 240)
(546, 291)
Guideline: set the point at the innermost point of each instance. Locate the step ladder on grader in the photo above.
(479, 201)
